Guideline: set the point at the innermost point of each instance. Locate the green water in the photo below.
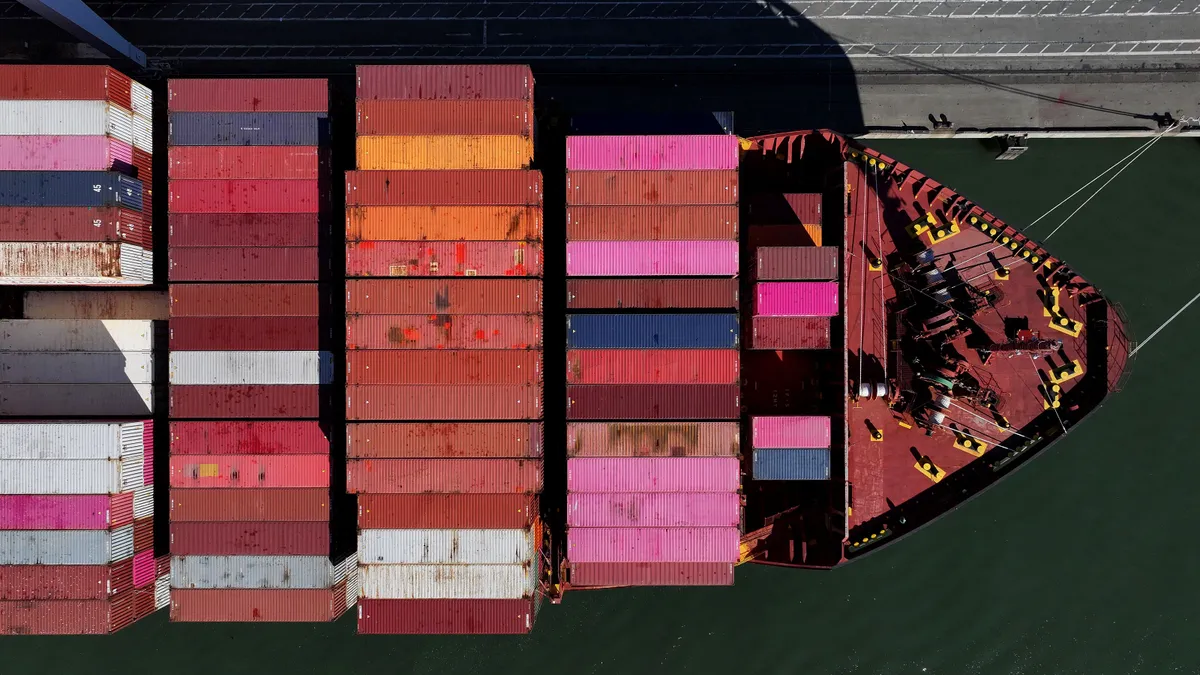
(1081, 563)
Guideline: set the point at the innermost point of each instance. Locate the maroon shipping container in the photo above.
(243, 333)
(238, 605)
(228, 263)
(651, 574)
(446, 617)
(653, 402)
(443, 259)
(248, 438)
(434, 511)
(448, 440)
(64, 582)
(471, 82)
(467, 366)
(247, 401)
(265, 504)
(445, 118)
(652, 293)
(248, 95)
(144, 163)
(282, 162)
(246, 300)
(651, 188)
(143, 534)
(471, 476)
(243, 229)
(797, 263)
(262, 538)
(634, 223)
(67, 617)
(65, 83)
(784, 209)
(443, 331)
(73, 223)
(506, 187)
(443, 296)
(244, 196)
(443, 402)
(790, 332)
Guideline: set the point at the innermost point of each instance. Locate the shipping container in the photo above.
(785, 263)
(652, 331)
(61, 263)
(652, 293)
(76, 367)
(471, 476)
(443, 259)
(278, 504)
(652, 258)
(141, 100)
(668, 544)
(443, 153)
(458, 582)
(791, 464)
(402, 402)
(72, 440)
(229, 263)
(438, 296)
(265, 367)
(651, 188)
(651, 574)
(247, 300)
(74, 223)
(443, 331)
(785, 209)
(447, 547)
(143, 133)
(675, 509)
(244, 196)
(69, 188)
(70, 476)
(248, 95)
(796, 298)
(247, 128)
(249, 471)
(653, 402)
(248, 438)
(66, 118)
(143, 170)
(652, 366)
(64, 153)
(446, 440)
(445, 617)
(244, 229)
(251, 571)
(652, 223)
(245, 401)
(66, 83)
(473, 82)
(419, 511)
(65, 512)
(290, 162)
(109, 304)
(68, 617)
(143, 543)
(66, 547)
(263, 538)
(654, 474)
(64, 582)
(75, 400)
(454, 367)
(236, 333)
(513, 187)
(443, 223)
(257, 605)
(417, 117)
(759, 236)
(790, 332)
(653, 153)
(653, 439)
(806, 431)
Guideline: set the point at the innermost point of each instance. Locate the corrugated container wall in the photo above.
(473, 82)
(248, 95)
(652, 223)
(652, 188)
(652, 331)
(796, 298)
(431, 118)
(446, 617)
(652, 153)
(653, 439)
(790, 332)
(791, 464)
(652, 293)
(444, 188)
(786, 263)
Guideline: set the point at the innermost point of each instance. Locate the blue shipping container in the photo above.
(791, 464)
(252, 128)
(652, 331)
(69, 188)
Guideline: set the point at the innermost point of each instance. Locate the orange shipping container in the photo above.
(443, 331)
(443, 152)
(444, 440)
(411, 366)
(472, 476)
(443, 296)
(443, 223)
(415, 117)
(443, 402)
(649, 188)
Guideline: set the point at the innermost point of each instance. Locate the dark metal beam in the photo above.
(81, 22)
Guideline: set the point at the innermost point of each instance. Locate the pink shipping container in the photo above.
(651, 574)
(790, 332)
(66, 512)
(653, 439)
(472, 476)
(791, 432)
(450, 331)
(654, 474)
(796, 298)
(652, 258)
(244, 196)
(654, 509)
(652, 366)
(64, 153)
(652, 153)
(443, 259)
(143, 569)
(249, 471)
(669, 544)
(248, 438)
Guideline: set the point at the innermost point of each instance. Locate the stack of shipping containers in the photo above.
(444, 358)
(75, 156)
(653, 470)
(250, 459)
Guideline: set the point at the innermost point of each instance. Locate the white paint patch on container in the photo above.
(237, 368)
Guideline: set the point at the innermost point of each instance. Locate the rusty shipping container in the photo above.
(443, 402)
(86, 263)
(443, 331)
(446, 440)
(244, 196)
(241, 333)
(652, 366)
(107, 304)
(197, 162)
(242, 263)
(249, 471)
(261, 538)
(514, 187)
(248, 95)
(470, 476)
(74, 223)
(790, 263)
(443, 153)
(651, 574)
(653, 439)
(651, 188)
(416, 117)
(457, 367)
(443, 296)
(65, 582)
(652, 293)
(455, 83)
(443, 259)
(246, 300)
(446, 617)
(66, 83)
(270, 505)
(430, 511)
(259, 605)
(790, 332)
(243, 229)
(653, 402)
(443, 223)
(659, 223)
(249, 401)
(68, 617)
(248, 438)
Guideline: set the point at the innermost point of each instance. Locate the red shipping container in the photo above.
(443, 259)
(247, 300)
(263, 538)
(472, 82)
(228, 263)
(790, 332)
(504, 187)
(249, 471)
(64, 582)
(65, 83)
(248, 95)
(472, 476)
(248, 438)
(443, 402)
(638, 223)
(446, 617)
(474, 366)
(651, 574)
(443, 331)
(73, 223)
(443, 296)
(143, 535)
(283, 162)
(433, 511)
(249, 401)
(276, 504)
(238, 605)
(652, 366)
(445, 118)
(244, 196)
(237, 333)
(653, 402)
(651, 188)
(144, 163)
(243, 229)
(144, 602)
(455, 439)
(67, 617)
(786, 263)
(652, 293)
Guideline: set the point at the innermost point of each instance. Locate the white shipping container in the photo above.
(70, 476)
(76, 400)
(251, 571)
(162, 591)
(65, 118)
(75, 263)
(143, 501)
(233, 368)
(26, 335)
(76, 367)
(109, 304)
(446, 547)
(142, 100)
(450, 582)
(71, 440)
(143, 132)
(66, 547)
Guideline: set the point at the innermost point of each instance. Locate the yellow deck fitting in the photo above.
(970, 445)
(1052, 396)
(1001, 274)
(1067, 371)
(1050, 306)
(903, 425)
(875, 264)
(930, 470)
(941, 233)
(1064, 324)
(1025, 254)
(978, 222)
(921, 225)
(1034, 259)
(1002, 422)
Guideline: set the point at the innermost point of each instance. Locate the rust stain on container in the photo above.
(259, 504)
(452, 188)
(444, 402)
(257, 605)
(443, 223)
(652, 293)
(448, 82)
(441, 511)
(424, 117)
(443, 331)
(246, 300)
(421, 440)
(410, 366)
(443, 259)
(651, 188)
(471, 476)
(639, 223)
(653, 401)
(653, 439)
(437, 296)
